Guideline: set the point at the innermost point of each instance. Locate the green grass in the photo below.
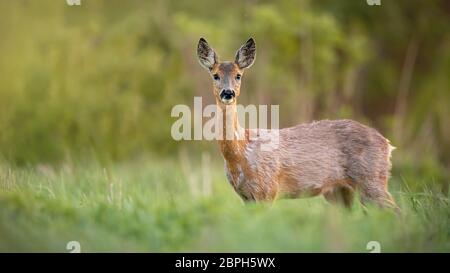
(161, 206)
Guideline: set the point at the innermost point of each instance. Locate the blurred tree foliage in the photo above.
(102, 77)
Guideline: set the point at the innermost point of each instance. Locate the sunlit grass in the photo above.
(150, 205)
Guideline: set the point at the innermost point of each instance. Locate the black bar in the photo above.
(227, 262)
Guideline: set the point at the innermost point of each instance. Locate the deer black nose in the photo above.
(227, 94)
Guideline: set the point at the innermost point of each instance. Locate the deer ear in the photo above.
(206, 55)
(245, 56)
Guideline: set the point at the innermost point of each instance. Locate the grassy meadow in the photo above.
(155, 206)
(86, 93)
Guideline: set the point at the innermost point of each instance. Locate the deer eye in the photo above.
(238, 77)
(216, 77)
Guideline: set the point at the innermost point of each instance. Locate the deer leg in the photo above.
(347, 196)
(340, 195)
(379, 195)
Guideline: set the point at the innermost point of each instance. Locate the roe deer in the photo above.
(332, 158)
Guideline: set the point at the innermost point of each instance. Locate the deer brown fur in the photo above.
(333, 158)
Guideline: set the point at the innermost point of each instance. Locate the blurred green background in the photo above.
(97, 82)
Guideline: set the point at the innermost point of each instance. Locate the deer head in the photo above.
(226, 75)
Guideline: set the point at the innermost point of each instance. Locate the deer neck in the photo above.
(233, 139)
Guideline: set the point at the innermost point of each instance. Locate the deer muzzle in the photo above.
(227, 96)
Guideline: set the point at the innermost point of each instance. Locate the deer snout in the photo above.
(227, 95)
